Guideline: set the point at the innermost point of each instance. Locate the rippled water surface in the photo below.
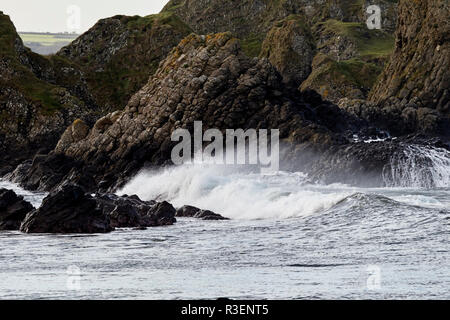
(321, 242)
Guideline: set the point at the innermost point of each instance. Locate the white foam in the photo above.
(419, 167)
(235, 193)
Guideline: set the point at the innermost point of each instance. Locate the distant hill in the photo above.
(46, 43)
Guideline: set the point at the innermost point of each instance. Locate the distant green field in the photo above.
(46, 43)
(48, 39)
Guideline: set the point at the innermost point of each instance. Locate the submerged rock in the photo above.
(193, 212)
(13, 210)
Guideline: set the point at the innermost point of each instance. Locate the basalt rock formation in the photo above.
(103, 68)
(13, 210)
(214, 79)
(288, 32)
(205, 78)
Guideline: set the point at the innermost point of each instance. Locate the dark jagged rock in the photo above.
(68, 210)
(362, 163)
(13, 210)
(131, 212)
(46, 172)
(193, 212)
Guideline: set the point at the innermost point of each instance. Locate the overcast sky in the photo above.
(62, 15)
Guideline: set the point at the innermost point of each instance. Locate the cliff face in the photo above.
(412, 94)
(205, 78)
(418, 71)
(290, 33)
(248, 18)
(119, 54)
(290, 47)
(38, 97)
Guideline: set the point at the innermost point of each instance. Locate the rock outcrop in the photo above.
(412, 94)
(415, 84)
(39, 98)
(70, 209)
(335, 80)
(13, 210)
(247, 18)
(205, 78)
(193, 212)
(349, 60)
(269, 29)
(118, 54)
(131, 212)
(290, 47)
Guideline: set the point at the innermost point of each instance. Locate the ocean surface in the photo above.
(288, 239)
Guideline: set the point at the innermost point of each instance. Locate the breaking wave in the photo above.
(235, 193)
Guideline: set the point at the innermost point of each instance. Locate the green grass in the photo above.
(370, 43)
(356, 71)
(47, 39)
(252, 45)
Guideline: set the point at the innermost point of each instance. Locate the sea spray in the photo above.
(236, 193)
(418, 167)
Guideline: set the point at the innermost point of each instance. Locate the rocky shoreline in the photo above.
(70, 209)
(346, 101)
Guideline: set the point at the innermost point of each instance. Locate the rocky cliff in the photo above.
(412, 94)
(39, 97)
(118, 54)
(251, 82)
(205, 78)
(290, 34)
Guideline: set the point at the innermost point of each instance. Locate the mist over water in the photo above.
(419, 167)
